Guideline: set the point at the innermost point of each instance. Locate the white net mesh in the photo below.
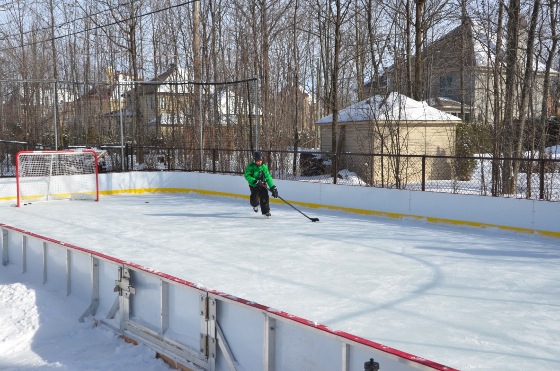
(57, 175)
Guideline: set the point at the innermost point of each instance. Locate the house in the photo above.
(389, 125)
(297, 105)
(92, 118)
(173, 110)
(27, 110)
(160, 108)
(232, 105)
(463, 74)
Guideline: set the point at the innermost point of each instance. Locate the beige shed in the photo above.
(391, 126)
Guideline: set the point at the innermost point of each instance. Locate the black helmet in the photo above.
(257, 155)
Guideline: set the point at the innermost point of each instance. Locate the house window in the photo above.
(152, 102)
(162, 102)
(445, 85)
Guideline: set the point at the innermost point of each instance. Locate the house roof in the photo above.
(393, 107)
(444, 103)
(482, 43)
(165, 82)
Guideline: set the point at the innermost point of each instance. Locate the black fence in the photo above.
(8, 151)
(528, 178)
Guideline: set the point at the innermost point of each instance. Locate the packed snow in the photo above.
(465, 297)
(40, 331)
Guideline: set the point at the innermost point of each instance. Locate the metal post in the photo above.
(200, 119)
(255, 112)
(5, 260)
(120, 120)
(541, 178)
(54, 117)
(423, 173)
(214, 159)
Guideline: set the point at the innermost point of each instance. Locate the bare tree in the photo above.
(336, 15)
(377, 41)
(552, 49)
(126, 18)
(511, 70)
(418, 41)
(331, 48)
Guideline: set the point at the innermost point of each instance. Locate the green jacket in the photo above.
(254, 172)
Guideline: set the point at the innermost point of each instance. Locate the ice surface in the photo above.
(465, 297)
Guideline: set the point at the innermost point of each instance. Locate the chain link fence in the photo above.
(536, 178)
(166, 111)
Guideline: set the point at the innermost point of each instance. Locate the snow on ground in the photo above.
(466, 297)
(40, 331)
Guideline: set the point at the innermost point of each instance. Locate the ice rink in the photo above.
(466, 297)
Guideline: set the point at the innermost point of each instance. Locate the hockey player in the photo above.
(258, 176)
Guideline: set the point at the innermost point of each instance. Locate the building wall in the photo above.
(484, 96)
(442, 61)
(426, 138)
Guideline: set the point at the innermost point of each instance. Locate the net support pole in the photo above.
(255, 110)
(200, 118)
(54, 116)
(49, 176)
(121, 122)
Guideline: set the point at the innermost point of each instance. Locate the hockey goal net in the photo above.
(56, 175)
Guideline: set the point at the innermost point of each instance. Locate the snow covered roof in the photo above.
(168, 119)
(393, 107)
(175, 76)
(443, 103)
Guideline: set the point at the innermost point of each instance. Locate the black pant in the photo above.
(260, 195)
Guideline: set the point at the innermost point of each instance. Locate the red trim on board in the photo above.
(346, 335)
(303, 321)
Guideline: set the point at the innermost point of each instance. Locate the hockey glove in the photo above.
(274, 191)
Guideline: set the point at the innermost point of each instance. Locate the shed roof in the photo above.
(393, 107)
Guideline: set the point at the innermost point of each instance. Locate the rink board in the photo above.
(198, 328)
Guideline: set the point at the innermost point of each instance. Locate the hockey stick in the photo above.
(293, 207)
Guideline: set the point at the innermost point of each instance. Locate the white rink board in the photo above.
(531, 216)
(405, 244)
(166, 314)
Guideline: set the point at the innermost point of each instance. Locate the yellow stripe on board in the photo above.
(430, 219)
(170, 190)
(330, 207)
(350, 210)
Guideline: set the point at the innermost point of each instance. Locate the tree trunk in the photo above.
(419, 38)
(498, 123)
(408, 63)
(334, 88)
(508, 176)
(527, 85)
(554, 12)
